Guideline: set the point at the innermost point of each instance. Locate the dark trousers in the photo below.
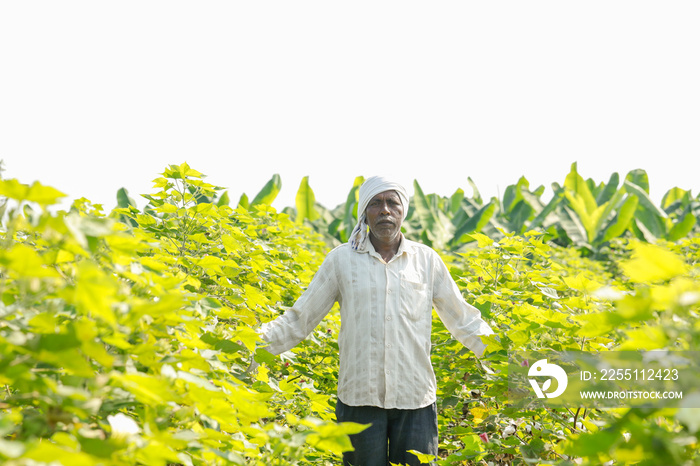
(392, 433)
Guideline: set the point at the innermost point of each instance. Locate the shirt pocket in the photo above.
(415, 297)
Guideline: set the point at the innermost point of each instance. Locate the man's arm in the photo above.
(462, 319)
(288, 330)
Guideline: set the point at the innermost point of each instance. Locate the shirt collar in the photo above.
(405, 246)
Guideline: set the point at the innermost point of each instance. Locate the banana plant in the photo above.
(347, 221)
(589, 215)
(436, 229)
(679, 203)
(446, 222)
(269, 192)
(306, 203)
(581, 212)
(336, 224)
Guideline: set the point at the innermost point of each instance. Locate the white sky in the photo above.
(98, 95)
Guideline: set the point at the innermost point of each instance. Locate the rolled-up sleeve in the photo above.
(462, 319)
(288, 330)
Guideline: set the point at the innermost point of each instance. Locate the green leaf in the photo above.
(147, 389)
(43, 323)
(594, 324)
(621, 222)
(476, 196)
(520, 214)
(243, 201)
(43, 195)
(69, 359)
(13, 189)
(95, 292)
(350, 209)
(648, 213)
(333, 437)
(50, 453)
(533, 201)
(591, 444)
(247, 336)
(433, 226)
(306, 202)
(124, 200)
(571, 224)
(482, 240)
(37, 192)
(644, 338)
(543, 215)
(513, 194)
(651, 263)
(607, 193)
(475, 223)
(166, 208)
(269, 192)
(638, 178)
(424, 458)
(168, 304)
(589, 218)
(682, 228)
(223, 199)
(641, 231)
(25, 262)
(83, 228)
(456, 201)
(672, 196)
(576, 184)
(186, 171)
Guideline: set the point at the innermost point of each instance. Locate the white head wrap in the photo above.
(370, 188)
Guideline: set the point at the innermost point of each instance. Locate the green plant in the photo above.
(127, 342)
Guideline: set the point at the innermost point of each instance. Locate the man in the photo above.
(387, 287)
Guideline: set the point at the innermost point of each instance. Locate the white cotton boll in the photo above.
(167, 370)
(528, 428)
(607, 293)
(689, 298)
(627, 436)
(508, 431)
(122, 425)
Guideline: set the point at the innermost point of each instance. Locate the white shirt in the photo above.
(386, 316)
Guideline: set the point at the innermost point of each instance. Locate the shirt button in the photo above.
(389, 291)
(388, 345)
(388, 317)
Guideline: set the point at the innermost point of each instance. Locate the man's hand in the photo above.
(253, 367)
(493, 344)
(260, 354)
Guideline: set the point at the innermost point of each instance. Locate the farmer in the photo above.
(387, 287)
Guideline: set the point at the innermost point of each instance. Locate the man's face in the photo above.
(384, 215)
